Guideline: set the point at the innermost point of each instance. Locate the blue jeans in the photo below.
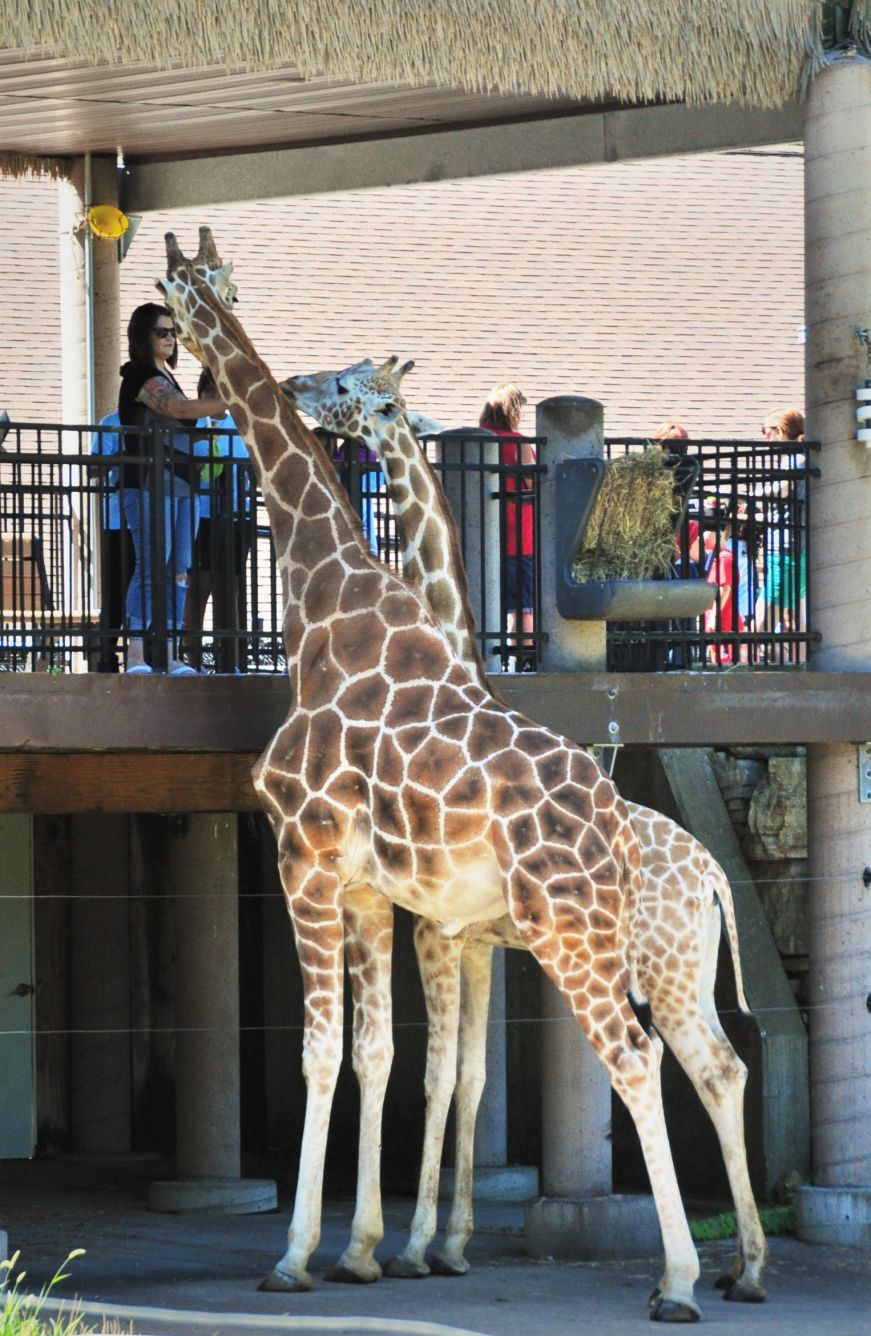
(181, 516)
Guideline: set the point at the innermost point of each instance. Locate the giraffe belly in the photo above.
(470, 892)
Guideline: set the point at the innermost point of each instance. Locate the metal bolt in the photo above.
(613, 728)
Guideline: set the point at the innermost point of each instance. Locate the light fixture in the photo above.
(107, 222)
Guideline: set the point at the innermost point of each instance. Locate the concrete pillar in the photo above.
(576, 1110)
(105, 296)
(838, 299)
(491, 1128)
(204, 886)
(574, 429)
(73, 297)
(100, 1108)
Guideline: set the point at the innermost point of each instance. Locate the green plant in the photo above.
(22, 1314)
(774, 1220)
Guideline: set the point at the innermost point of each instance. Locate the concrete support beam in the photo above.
(204, 886)
(565, 141)
(100, 1108)
(838, 299)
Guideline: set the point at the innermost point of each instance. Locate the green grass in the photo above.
(23, 1315)
(774, 1220)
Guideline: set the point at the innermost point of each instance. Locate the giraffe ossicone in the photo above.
(397, 779)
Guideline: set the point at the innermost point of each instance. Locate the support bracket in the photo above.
(863, 754)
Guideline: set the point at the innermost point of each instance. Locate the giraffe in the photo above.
(675, 922)
(396, 779)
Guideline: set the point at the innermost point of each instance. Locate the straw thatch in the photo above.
(28, 164)
(752, 51)
(630, 534)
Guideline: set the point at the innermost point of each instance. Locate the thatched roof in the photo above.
(752, 51)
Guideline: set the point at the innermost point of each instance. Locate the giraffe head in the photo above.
(356, 402)
(206, 266)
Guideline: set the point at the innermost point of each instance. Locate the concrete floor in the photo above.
(211, 1266)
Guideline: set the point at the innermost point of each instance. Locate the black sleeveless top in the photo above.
(133, 413)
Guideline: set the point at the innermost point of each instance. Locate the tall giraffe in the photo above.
(675, 923)
(397, 779)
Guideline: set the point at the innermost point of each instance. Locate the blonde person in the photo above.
(501, 415)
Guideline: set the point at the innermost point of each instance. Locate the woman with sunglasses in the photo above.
(150, 397)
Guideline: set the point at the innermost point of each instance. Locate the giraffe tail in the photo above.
(723, 895)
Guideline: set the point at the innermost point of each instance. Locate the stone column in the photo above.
(577, 1217)
(105, 271)
(574, 428)
(100, 1096)
(204, 886)
(73, 297)
(838, 299)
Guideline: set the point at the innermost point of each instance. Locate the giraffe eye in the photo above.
(342, 389)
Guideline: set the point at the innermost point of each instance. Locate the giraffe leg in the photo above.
(319, 942)
(701, 1047)
(368, 947)
(596, 993)
(439, 963)
(476, 966)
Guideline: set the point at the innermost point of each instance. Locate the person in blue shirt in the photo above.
(223, 541)
(117, 554)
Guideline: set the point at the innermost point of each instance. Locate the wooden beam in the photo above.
(104, 712)
(42, 782)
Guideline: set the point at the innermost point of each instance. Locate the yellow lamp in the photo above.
(107, 222)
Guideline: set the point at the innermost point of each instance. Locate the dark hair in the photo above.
(206, 386)
(139, 328)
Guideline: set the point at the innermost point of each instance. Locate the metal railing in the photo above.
(70, 511)
(746, 531)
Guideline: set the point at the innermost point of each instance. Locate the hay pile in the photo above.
(630, 535)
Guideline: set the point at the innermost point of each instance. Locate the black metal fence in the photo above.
(746, 532)
(172, 542)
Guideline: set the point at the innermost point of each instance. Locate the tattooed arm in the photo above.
(163, 398)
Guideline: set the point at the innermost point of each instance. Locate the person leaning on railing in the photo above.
(150, 396)
(222, 543)
(784, 593)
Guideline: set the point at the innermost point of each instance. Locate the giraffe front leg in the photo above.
(476, 970)
(315, 910)
(368, 947)
(439, 963)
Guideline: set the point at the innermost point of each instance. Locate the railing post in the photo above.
(574, 429)
(159, 610)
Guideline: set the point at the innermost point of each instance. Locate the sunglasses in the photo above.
(164, 331)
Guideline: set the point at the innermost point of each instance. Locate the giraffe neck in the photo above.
(430, 539)
(309, 512)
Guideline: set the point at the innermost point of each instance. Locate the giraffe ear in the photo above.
(422, 425)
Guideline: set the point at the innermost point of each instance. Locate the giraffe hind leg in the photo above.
(703, 1050)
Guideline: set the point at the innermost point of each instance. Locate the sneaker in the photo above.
(175, 668)
(143, 669)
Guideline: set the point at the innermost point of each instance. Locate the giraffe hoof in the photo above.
(343, 1275)
(742, 1292)
(725, 1282)
(402, 1268)
(280, 1282)
(440, 1265)
(670, 1310)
